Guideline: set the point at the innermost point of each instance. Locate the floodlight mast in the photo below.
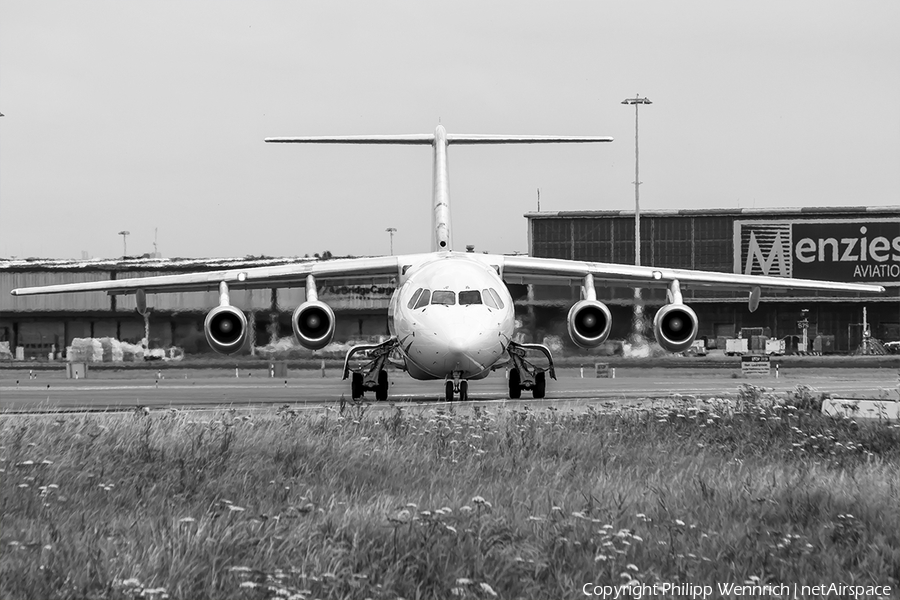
(124, 235)
(637, 101)
(391, 231)
(638, 318)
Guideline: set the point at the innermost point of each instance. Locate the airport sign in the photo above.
(846, 250)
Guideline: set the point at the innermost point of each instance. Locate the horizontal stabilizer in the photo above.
(415, 138)
(461, 138)
(428, 138)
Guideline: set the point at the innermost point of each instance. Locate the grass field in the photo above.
(359, 503)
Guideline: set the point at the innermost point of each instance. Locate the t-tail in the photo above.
(441, 239)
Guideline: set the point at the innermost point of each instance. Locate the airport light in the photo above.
(637, 101)
(391, 231)
(638, 319)
(124, 235)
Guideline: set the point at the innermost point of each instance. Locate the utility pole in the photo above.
(391, 231)
(638, 303)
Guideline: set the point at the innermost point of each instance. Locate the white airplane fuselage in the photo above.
(453, 317)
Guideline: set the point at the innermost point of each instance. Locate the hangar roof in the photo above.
(719, 212)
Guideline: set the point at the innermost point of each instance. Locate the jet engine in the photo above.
(589, 322)
(675, 327)
(226, 329)
(313, 324)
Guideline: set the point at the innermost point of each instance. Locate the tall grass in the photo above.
(436, 504)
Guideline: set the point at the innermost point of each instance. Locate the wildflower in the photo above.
(679, 522)
(477, 500)
(600, 557)
(464, 581)
(450, 528)
(249, 584)
(235, 508)
(239, 569)
(187, 520)
(132, 582)
(401, 517)
(487, 589)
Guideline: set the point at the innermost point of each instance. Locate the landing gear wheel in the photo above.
(448, 391)
(381, 392)
(356, 386)
(515, 390)
(540, 385)
(463, 390)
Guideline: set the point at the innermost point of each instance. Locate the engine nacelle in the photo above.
(226, 329)
(589, 322)
(313, 324)
(675, 327)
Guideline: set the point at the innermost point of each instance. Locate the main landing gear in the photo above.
(525, 375)
(456, 385)
(371, 376)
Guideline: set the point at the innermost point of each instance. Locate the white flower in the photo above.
(463, 581)
(487, 589)
(679, 522)
(235, 508)
(187, 520)
(249, 584)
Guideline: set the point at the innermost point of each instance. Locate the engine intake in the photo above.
(226, 329)
(589, 322)
(675, 327)
(313, 324)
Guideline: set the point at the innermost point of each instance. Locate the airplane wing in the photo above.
(555, 271)
(336, 272)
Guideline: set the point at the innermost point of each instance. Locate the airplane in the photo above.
(451, 316)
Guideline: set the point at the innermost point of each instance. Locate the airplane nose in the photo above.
(457, 347)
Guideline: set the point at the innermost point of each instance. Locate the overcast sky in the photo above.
(136, 116)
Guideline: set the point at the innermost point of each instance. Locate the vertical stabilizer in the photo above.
(440, 195)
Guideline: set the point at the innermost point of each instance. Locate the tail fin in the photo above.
(440, 199)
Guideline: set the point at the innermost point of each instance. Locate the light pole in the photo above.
(637, 101)
(391, 231)
(638, 308)
(124, 235)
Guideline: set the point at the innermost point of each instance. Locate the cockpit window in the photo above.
(488, 299)
(412, 301)
(423, 299)
(470, 297)
(445, 297)
(497, 298)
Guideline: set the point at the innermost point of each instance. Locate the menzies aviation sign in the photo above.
(849, 250)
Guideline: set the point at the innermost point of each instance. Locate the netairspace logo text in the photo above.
(688, 590)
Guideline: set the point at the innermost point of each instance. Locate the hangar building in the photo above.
(847, 244)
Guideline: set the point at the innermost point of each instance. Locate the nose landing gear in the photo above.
(456, 385)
